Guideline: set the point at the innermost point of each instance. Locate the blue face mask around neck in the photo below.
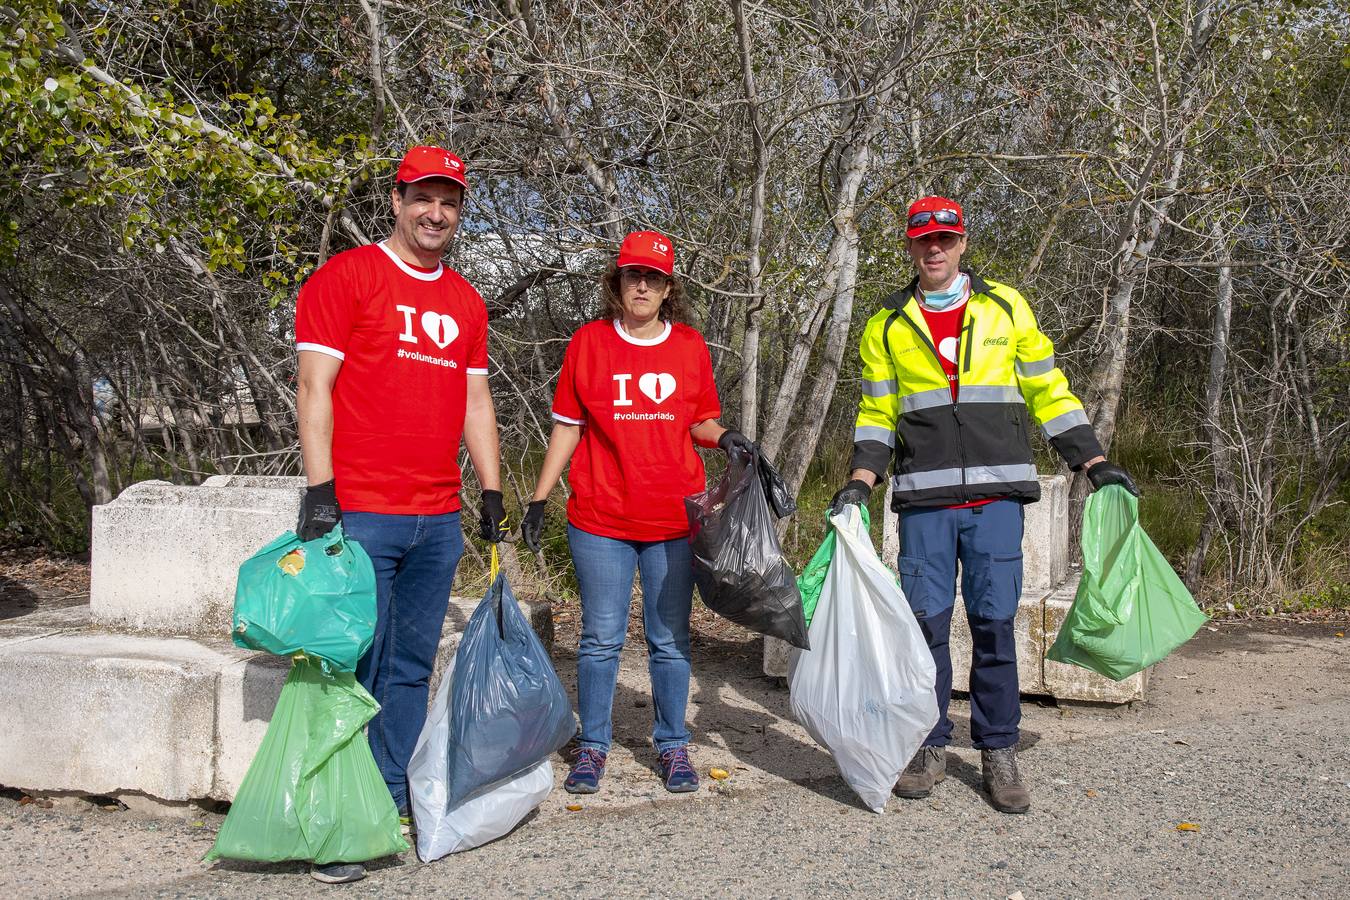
(945, 299)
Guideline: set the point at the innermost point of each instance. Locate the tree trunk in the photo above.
(1212, 427)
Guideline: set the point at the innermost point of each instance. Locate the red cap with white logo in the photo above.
(648, 248)
(421, 163)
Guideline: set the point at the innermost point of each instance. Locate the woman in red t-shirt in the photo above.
(634, 395)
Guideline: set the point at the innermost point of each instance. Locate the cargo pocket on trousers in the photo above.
(996, 589)
(914, 583)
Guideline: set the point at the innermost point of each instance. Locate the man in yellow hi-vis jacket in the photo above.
(951, 364)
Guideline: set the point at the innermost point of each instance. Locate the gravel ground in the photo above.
(1245, 735)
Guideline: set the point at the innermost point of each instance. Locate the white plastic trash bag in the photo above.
(865, 689)
(487, 813)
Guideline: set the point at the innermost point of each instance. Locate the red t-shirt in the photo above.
(636, 401)
(409, 338)
(945, 326)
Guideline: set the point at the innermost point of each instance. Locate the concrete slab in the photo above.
(245, 696)
(270, 482)
(177, 719)
(1029, 631)
(165, 557)
(1045, 555)
(105, 714)
(1067, 682)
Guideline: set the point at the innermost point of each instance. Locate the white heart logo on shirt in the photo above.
(440, 328)
(657, 385)
(947, 347)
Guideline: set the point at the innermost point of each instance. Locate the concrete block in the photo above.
(1045, 561)
(164, 557)
(1045, 538)
(1067, 682)
(1029, 632)
(107, 714)
(270, 482)
(246, 695)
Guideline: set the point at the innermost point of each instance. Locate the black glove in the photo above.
(734, 440)
(532, 526)
(1105, 472)
(855, 492)
(492, 524)
(319, 512)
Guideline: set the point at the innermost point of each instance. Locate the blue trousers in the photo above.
(605, 569)
(987, 542)
(415, 558)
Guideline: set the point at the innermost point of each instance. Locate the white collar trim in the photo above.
(398, 261)
(642, 342)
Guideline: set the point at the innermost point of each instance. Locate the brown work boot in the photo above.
(927, 768)
(1003, 781)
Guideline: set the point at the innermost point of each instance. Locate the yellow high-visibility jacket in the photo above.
(979, 446)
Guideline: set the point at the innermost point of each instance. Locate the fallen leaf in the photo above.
(573, 807)
(198, 824)
(25, 800)
(1091, 793)
(1340, 634)
(719, 774)
(1188, 826)
(1182, 743)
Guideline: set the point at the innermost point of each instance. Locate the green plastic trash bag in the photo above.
(317, 598)
(812, 578)
(1131, 609)
(312, 791)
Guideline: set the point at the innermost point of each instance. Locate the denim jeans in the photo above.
(988, 542)
(415, 559)
(605, 569)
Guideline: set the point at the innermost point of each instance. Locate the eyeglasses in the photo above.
(941, 216)
(634, 276)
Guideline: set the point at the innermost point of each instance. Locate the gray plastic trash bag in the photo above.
(487, 814)
(508, 708)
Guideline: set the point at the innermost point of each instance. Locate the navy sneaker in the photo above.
(588, 767)
(679, 775)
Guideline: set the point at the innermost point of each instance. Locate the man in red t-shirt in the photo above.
(393, 373)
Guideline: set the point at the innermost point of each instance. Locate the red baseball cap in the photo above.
(930, 214)
(421, 163)
(648, 248)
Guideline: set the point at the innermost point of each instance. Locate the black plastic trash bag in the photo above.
(738, 562)
(776, 490)
(508, 708)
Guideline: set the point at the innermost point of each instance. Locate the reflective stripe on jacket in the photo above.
(979, 446)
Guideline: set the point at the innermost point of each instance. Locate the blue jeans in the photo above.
(988, 542)
(605, 569)
(415, 559)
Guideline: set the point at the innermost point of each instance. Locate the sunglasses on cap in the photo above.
(941, 216)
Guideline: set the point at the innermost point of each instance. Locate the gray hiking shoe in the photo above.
(1004, 782)
(927, 768)
(337, 873)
